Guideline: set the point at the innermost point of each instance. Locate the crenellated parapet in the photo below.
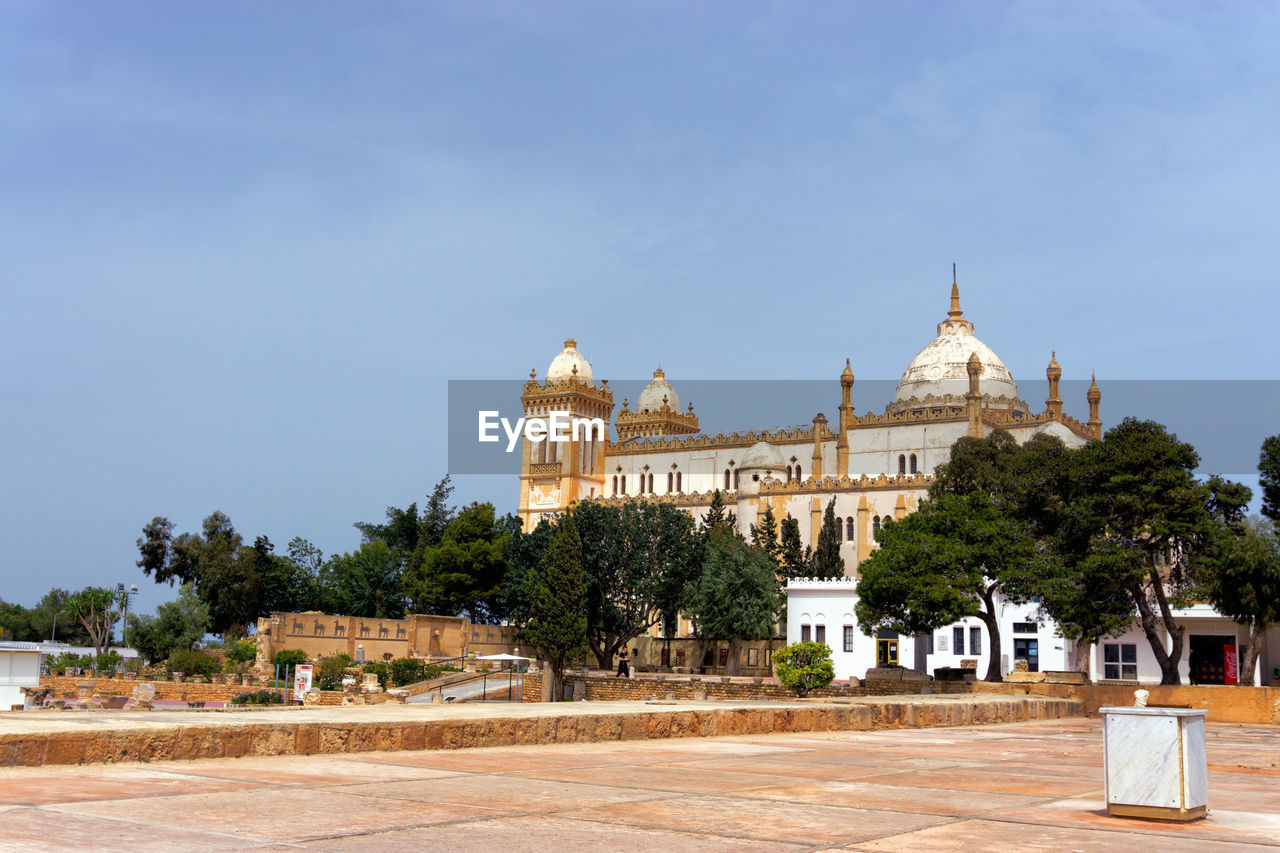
(798, 435)
(825, 485)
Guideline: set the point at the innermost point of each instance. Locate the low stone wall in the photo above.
(68, 687)
(1258, 705)
(641, 687)
(291, 736)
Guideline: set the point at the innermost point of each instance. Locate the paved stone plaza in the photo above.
(1020, 786)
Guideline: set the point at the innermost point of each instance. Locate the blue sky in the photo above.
(243, 246)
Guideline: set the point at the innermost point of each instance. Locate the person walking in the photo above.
(624, 668)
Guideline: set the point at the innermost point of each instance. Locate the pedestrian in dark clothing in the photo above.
(624, 668)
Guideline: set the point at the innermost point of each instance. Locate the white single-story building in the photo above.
(19, 668)
(822, 610)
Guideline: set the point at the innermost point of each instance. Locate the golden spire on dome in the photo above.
(570, 343)
(1054, 370)
(846, 376)
(955, 313)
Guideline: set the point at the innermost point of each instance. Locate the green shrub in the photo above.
(407, 671)
(108, 661)
(435, 670)
(239, 651)
(330, 670)
(192, 663)
(290, 657)
(258, 697)
(805, 666)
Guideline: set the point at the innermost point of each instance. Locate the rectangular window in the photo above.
(819, 633)
(975, 641)
(1025, 628)
(928, 643)
(848, 638)
(804, 633)
(942, 642)
(753, 657)
(1120, 661)
(957, 641)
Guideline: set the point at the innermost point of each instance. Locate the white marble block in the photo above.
(1155, 763)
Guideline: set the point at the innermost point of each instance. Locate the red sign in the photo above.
(1232, 665)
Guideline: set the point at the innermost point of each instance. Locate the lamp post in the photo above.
(124, 625)
(53, 636)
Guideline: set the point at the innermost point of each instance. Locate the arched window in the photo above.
(798, 477)
(875, 524)
(839, 531)
(736, 473)
(726, 479)
(848, 523)
(789, 472)
(624, 484)
(902, 464)
(650, 484)
(679, 487)
(913, 463)
(671, 481)
(615, 484)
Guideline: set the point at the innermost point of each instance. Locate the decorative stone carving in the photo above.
(311, 697)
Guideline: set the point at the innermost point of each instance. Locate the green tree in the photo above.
(792, 558)
(176, 626)
(226, 575)
(365, 582)
(524, 555)
(97, 609)
(765, 537)
(1269, 478)
(1240, 576)
(826, 561)
(1139, 508)
(957, 556)
(637, 560)
(464, 572)
(804, 666)
(736, 597)
(557, 624)
(1035, 483)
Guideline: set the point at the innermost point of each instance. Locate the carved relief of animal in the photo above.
(364, 630)
(297, 627)
(339, 630)
(401, 633)
(318, 628)
(382, 630)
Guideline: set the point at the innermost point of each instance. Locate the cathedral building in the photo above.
(875, 465)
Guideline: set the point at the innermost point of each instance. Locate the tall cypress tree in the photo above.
(826, 561)
(557, 597)
(765, 536)
(791, 556)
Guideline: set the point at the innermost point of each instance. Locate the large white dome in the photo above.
(657, 394)
(570, 363)
(938, 374)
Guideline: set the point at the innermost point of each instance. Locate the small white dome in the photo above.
(563, 366)
(657, 394)
(763, 456)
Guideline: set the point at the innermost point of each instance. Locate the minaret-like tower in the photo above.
(846, 420)
(1053, 406)
(972, 399)
(1094, 396)
(555, 474)
(815, 463)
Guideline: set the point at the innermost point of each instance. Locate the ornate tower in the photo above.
(1094, 396)
(973, 399)
(1054, 374)
(571, 408)
(846, 420)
